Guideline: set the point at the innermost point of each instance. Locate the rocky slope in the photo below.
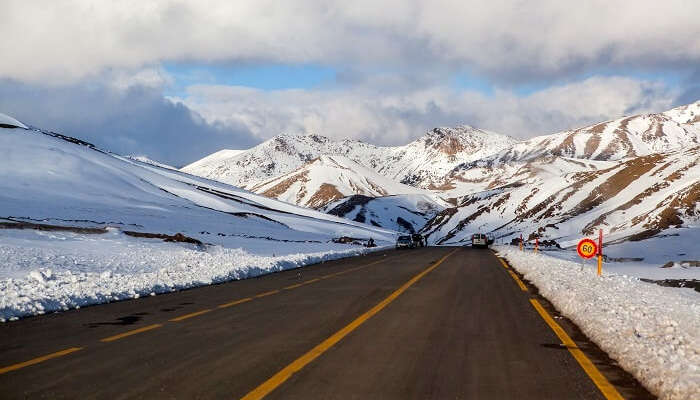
(633, 136)
(420, 163)
(556, 186)
(329, 178)
(565, 198)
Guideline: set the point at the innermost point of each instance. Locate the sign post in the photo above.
(521, 242)
(600, 252)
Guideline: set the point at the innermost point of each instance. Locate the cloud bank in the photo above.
(94, 69)
(507, 41)
(135, 119)
(396, 117)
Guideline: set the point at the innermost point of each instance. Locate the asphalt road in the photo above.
(441, 323)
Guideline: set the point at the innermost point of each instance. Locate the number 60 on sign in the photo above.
(586, 248)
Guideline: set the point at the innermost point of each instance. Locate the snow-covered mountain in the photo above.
(428, 159)
(404, 213)
(419, 163)
(329, 178)
(633, 136)
(564, 198)
(496, 183)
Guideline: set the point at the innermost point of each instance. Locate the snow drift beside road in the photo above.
(652, 331)
(81, 201)
(45, 272)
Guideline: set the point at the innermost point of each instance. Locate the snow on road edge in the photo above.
(45, 290)
(652, 331)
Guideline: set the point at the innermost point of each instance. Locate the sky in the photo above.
(177, 80)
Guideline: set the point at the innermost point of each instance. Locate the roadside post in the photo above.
(537, 244)
(586, 249)
(521, 242)
(600, 252)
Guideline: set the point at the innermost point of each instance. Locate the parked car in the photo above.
(418, 240)
(480, 240)
(404, 242)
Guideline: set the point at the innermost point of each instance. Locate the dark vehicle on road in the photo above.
(418, 240)
(404, 242)
(480, 240)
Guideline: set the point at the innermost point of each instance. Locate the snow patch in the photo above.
(652, 331)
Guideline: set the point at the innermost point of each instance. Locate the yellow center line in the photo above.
(190, 315)
(290, 287)
(233, 303)
(503, 262)
(271, 292)
(280, 377)
(39, 359)
(518, 281)
(129, 333)
(598, 379)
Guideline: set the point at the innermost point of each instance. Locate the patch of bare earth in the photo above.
(630, 172)
(283, 186)
(178, 237)
(439, 220)
(523, 206)
(54, 228)
(674, 176)
(324, 195)
(444, 186)
(463, 223)
(566, 147)
(672, 208)
(377, 188)
(594, 141)
(619, 142)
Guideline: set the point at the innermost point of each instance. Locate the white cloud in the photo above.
(49, 41)
(395, 117)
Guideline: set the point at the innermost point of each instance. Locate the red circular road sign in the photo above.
(586, 248)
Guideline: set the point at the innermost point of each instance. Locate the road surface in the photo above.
(440, 323)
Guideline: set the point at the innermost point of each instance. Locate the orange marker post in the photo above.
(521, 242)
(537, 244)
(600, 252)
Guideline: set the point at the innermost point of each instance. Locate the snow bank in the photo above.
(68, 271)
(652, 331)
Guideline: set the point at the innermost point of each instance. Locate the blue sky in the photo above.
(267, 76)
(271, 76)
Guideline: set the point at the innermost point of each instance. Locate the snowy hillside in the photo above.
(404, 213)
(149, 161)
(81, 226)
(633, 136)
(419, 163)
(8, 122)
(212, 160)
(425, 161)
(565, 199)
(329, 178)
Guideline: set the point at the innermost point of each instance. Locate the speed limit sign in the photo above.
(586, 248)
